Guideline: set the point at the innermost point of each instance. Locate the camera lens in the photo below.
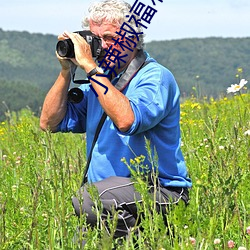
(75, 95)
(65, 48)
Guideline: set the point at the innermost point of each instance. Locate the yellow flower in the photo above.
(132, 162)
(138, 160)
(240, 70)
(195, 105)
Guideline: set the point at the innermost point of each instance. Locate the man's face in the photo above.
(106, 31)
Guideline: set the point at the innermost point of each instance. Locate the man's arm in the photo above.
(55, 103)
(115, 104)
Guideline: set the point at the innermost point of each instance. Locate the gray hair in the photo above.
(114, 12)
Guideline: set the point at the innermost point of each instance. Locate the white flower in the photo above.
(217, 241)
(246, 133)
(22, 210)
(242, 248)
(237, 87)
(192, 240)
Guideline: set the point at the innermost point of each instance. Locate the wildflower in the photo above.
(137, 160)
(195, 106)
(192, 240)
(132, 162)
(198, 182)
(247, 133)
(45, 216)
(221, 147)
(230, 244)
(240, 70)
(216, 241)
(22, 210)
(248, 230)
(242, 248)
(237, 87)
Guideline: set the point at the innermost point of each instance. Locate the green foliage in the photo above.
(28, 58)
(28, 68)
(36, 184)
(40, 172)
(14, 95)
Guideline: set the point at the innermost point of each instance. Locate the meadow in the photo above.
(40, 172)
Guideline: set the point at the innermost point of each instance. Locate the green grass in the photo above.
(40, 172)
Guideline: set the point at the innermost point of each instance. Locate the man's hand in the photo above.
(66, 63)
(83, 54)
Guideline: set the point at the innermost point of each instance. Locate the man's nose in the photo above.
(104, 44)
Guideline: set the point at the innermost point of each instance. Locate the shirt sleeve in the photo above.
(152, 98)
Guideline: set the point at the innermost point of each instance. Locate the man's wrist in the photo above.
(65, 73)
(94, 71)
(89, 67)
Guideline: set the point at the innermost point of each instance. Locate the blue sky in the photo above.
(175, 19)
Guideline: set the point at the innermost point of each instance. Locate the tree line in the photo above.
(202, 67)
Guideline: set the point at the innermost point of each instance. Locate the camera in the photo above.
(65, 48)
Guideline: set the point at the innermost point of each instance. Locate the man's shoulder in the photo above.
(153, 68)
(154, 63)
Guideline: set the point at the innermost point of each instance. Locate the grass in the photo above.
(40, 172)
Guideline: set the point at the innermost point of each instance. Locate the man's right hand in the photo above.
(66, 63)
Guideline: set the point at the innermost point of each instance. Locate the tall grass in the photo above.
(40, 172)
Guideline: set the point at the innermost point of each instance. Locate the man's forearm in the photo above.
(55, 103)
(115, 104)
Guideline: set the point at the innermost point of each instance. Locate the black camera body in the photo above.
(65, 48)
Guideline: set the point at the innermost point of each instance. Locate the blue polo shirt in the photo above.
(154, 97)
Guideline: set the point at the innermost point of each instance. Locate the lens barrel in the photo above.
(65, 48)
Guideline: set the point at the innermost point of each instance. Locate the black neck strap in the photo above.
(136, 64)
(131, 70)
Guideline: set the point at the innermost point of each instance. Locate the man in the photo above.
(141, 103)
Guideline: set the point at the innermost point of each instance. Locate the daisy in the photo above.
(237, 87)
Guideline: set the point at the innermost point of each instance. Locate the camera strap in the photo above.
(136, 64)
